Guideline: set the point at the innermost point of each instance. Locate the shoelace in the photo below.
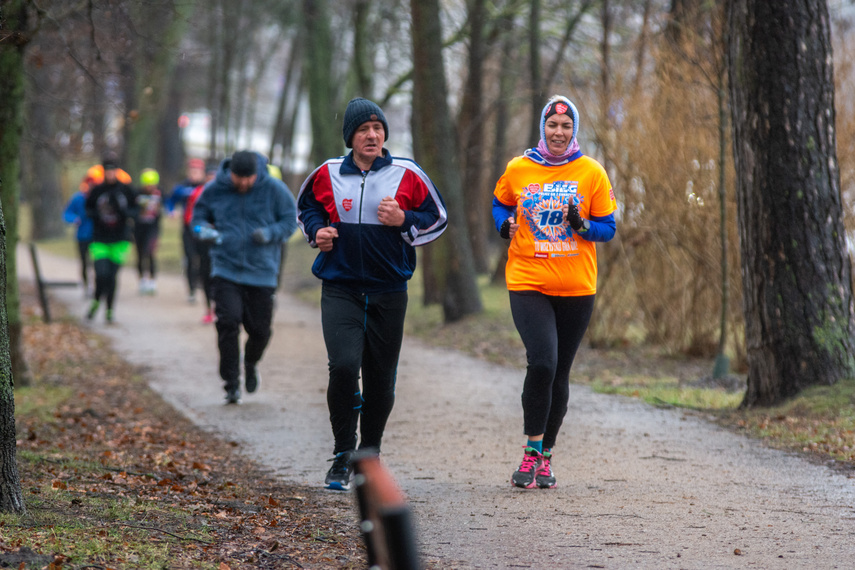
(544, 469)
(340, 464)
(529, 462)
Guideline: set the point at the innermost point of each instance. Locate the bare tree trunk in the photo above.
(607, 20)
(215, 25)
(538, 98)
(569, 29)
(13, 38)
(722, 363)
(326, 134)
(162, 27)
(262, 63)
(797, 277)
(289, 99)
(501, 155)
(434, 142)
(11, 498)
(12, 42)
(40, 163)
(171, 155)
(362, 52)
(641, 52)
(471, 125)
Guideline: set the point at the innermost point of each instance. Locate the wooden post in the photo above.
(43, 285)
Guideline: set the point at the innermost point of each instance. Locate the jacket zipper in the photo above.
(361, 207)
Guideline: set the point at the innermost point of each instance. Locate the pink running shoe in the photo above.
(544, 477)
(524, 477)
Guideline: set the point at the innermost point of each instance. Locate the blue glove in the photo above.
(261, 236)
(208, 234)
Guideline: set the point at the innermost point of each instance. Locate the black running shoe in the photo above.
(253, 379)
(524, 477)
(233, 396)
(338, 476)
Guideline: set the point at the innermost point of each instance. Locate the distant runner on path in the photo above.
(112, 206)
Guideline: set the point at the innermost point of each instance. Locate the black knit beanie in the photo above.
(360, 111)
(244, 163)
(110, 161)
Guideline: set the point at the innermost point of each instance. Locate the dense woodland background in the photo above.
(163, 80)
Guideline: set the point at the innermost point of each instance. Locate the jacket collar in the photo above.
(349, 167)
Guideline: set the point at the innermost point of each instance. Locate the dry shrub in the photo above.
(663, 272)
(844, 80)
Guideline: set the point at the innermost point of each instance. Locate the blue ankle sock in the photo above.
(538, 445)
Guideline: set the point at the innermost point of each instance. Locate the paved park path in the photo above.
(639, 487)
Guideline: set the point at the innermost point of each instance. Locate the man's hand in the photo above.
(261, 236)
(207, 234)
(324, 238)
(389, 213)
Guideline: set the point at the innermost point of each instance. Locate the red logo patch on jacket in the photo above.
(347, 204)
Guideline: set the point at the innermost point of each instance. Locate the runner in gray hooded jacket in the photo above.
(246, 214)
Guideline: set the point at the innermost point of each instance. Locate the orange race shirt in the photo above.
(545, 255)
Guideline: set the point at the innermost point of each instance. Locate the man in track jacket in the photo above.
(365, 212)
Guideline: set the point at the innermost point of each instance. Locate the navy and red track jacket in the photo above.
(369, 257)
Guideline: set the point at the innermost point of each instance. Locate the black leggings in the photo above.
(551, 329)
(191, 259)
(83, 252)
(361, 332)
(145, 236)
(204, 251)
(105, 280)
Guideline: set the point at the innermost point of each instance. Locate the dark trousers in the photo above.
(204, 251)
(362, 333)
(551, 329)
(238, 305)
(191, 259)
(105, 280)
(145, 237)
(83, 252)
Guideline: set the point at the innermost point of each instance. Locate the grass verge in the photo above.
(113, 478)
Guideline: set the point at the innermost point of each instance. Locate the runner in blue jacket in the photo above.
(75, 213)
(246, 214)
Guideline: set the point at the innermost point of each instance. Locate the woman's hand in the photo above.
(509, 228)
(572, 216)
